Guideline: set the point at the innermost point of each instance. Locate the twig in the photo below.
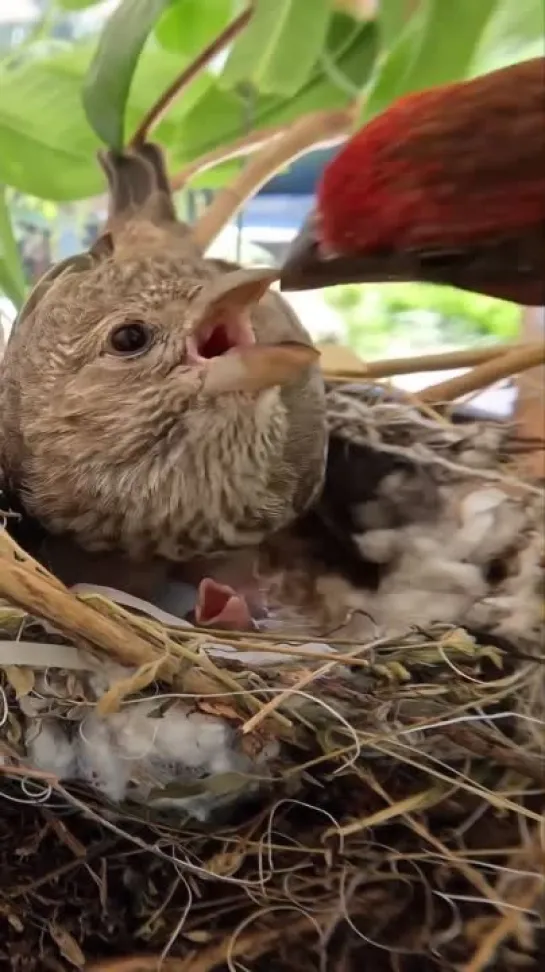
(159, 109)
(42, 598)
(483, 745)
(96, 850)
(520, 359)
(524, 895)
(471, 874)
(239, 147)
(306, 133)
(390, 367)
(251, 945)
(530, 407)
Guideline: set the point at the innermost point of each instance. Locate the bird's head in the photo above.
(157, 403)
(447, 185)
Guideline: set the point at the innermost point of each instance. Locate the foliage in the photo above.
(12, 282)
(108, 79)
(436, 46)
(59, 99)
(416, 317)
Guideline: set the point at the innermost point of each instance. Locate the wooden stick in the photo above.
(524, 893)
(240, 147)
(51, 601)
(362, 9)
(159, 109)
(251, 944)
(389, 367)
(316, 129)
(530, 407)
(503, 366)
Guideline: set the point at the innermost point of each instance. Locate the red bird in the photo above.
(446, 186)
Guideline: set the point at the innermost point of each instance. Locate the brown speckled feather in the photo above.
(130, 453)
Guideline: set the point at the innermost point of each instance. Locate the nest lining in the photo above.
(297, 804)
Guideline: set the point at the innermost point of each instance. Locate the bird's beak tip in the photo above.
(303, 260)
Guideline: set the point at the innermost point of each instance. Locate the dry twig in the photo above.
(512, 363)
(160, 108)
(313, 130)
(251, 945)
(240, 147)
(390, 367)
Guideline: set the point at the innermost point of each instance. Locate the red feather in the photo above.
(448, 167)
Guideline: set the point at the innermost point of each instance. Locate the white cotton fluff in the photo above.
(131, 753)
(51, 750)
(436, 568)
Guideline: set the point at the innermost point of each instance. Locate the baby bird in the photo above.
(154, 403)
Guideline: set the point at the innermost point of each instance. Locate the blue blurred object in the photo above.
(302, 177)
(285, 201)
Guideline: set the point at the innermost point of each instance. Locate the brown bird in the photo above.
(154, 403)
(446, 186)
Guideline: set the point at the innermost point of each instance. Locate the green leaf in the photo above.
(190, 25)
(156, 70)
(48, 149)
(77, 4)
(515, 32)
(392, 18)
(219, 117)
(218, 785)
(12, 278)
(436, 47)
(108, 81)
(392, 69)
(289, 35)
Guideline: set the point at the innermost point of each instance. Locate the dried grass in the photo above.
(400, 827)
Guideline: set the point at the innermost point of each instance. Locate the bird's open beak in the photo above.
(308, 266)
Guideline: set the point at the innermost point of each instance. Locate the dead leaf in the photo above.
(199, 936)
(32, 707)
(15, 922)
(20, 679)
(252, 744)
(14, 733)
(220, 709)
(225, 864)
(67, 945)
(135, 683)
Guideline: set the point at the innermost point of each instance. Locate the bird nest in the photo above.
(193, 800)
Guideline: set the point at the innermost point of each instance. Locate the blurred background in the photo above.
(311, 54)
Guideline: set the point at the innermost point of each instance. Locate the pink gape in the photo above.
(219, 606)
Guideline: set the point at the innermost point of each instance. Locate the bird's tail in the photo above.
(138, 185)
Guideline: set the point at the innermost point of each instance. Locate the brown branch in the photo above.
(159, 109)
(483, 744)
(48, 599)
(250, 945)
(530, 407)
(390, 367)
(503, 366)
(360, 9)
(316, 129)
(239, 147)
(524, 894)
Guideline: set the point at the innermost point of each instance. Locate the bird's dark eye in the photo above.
(131, 338)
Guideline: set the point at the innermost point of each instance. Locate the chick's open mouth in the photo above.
(216, 338)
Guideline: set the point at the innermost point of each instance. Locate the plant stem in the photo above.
(502, 366)
(245, 145)
(390, 367)
(159, 109)
(304, 134)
